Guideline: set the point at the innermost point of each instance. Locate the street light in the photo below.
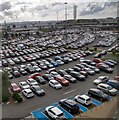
(66, 19)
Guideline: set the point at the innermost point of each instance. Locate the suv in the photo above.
(84, 99)
(107, 89)
(70, 105)
(94, 92)
(55, 113)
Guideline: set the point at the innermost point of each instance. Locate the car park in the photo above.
(70, 105)
(37, 90)
(27, 93)
(94, 92)
(107, 89)
(55, 84)
(83, 99)
(55, 113)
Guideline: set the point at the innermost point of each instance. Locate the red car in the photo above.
(116, 78)
(97, 60)
(34, 75)
(15, 88)
(62, 80)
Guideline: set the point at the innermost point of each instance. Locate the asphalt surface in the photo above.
(21, 110)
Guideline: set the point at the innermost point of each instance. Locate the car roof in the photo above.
(56, 110)
(13, 84)
(27, 90)
(103, 84)
(84, 96)
(53, 81)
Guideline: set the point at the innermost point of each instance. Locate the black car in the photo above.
(77, 75)
(94, 92)
(62, 72)
(37, 90)
(4, 63)
(16, 73)
(105, 69)
(40, 79)
(47, 77)
(70, 105)
(109, 63)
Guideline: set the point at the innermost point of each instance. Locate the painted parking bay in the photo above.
(39, 115)
(67, 114)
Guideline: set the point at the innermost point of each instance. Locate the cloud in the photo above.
(93, 8)
(5, 6)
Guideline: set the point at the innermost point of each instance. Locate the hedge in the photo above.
(17, 97)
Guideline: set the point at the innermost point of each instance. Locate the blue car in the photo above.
(55, 64)
(113, 83)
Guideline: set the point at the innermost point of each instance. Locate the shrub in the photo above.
(5, 98)
(17, 97)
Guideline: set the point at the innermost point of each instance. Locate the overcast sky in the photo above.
(44, 10)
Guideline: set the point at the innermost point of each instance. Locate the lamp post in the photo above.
(65, 20)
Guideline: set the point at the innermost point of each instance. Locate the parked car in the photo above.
(16, 73)
(70, 105)
(70, 78)
(83, 99)
(40, 79)
(27, 93)
(112, 61)
(97, 60)
(101, 79)
(31, 82)
(77, 75)
(62, 72)
(55, 84)
(105, 68)
(47, 77)
(107, 89)
(55, 113)
(61, 80)
(34, 75)
(37, 90)
(94, 92)
(113, 83)
(14, 87)
(24, 85)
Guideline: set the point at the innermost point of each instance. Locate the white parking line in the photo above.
(69, 92)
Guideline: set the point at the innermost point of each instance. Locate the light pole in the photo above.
(66, 20)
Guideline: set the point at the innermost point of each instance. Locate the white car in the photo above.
(37, 69)
(84, 99)
(24, 85)
(27, 93)
(101, 79)
(55, 84)
(107, 89)
(60, 62)
(31, 81)
(55, 113)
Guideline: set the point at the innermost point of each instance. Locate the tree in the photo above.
(5, 85)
